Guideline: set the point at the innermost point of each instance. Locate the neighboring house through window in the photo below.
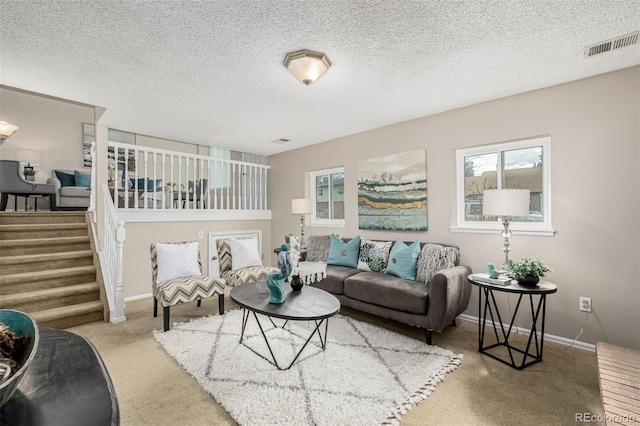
(327, 193)
(522, 164)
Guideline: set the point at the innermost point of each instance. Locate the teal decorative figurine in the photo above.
(275, 281)
(491, 271)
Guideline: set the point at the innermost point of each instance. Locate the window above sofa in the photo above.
(523, 164)
(327, 192)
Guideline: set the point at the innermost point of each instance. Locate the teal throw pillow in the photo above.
(403, 259)
(66, 179)
(154, 185)
(343, 254)
(82, 179)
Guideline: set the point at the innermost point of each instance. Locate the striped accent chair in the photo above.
(236, 277)
(182, 290)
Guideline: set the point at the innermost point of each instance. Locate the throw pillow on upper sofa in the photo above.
(244, 253)
(66, 179)
(177, 261)
(154, 185)
(373, 255)
(403, 259)
(82, 179)
(318, 248)
(434, 258)
(343, 254)
(137, 184)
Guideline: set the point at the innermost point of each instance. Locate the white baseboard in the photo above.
(547, 337)
(138, 297)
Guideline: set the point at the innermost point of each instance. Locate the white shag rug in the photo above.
(366, 376)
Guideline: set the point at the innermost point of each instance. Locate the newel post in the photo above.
(119, 314)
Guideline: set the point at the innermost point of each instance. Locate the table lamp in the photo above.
(301, 206)
(32, 158)
(505, 203)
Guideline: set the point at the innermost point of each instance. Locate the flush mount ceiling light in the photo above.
(306, 65)
(6, 130)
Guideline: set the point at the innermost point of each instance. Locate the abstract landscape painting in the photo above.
(392, 192)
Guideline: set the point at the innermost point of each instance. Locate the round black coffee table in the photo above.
(310, 304)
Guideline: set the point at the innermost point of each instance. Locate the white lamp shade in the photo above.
(306, 65)
(505, 202)
(301, 206)
(28, 156)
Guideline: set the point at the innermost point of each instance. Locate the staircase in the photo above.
(48, 268)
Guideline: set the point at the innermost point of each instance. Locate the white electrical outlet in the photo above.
(585, 304)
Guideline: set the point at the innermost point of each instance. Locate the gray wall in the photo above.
(595, 138)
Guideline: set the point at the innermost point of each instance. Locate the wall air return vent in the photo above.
(609, 45)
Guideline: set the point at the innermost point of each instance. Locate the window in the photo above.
(523, 165)
(220, 171)
(327, 193)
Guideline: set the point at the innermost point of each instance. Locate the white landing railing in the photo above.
(161, 180)
(148, 185)
(111, 258)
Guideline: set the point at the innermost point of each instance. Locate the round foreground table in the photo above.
(67, 384)
(309, 304)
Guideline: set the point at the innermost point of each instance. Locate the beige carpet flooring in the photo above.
(153, 389)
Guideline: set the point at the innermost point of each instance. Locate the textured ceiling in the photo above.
(210, 72)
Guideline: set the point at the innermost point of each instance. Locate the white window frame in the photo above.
(543, 228)
(315, 221)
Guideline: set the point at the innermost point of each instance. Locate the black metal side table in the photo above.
(532, 353)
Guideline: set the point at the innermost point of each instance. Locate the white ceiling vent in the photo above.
(281, 140)
(614, 43)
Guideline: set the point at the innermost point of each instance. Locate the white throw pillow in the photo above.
(244, 253)
(177, 261)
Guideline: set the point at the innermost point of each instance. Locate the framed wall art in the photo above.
(392, 192)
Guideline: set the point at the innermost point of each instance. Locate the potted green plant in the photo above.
(527, 271)
(30, 173)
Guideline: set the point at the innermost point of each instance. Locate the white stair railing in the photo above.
(111, 258)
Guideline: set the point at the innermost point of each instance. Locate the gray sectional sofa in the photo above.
(431, 305)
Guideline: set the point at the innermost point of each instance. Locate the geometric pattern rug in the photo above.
(366, 376)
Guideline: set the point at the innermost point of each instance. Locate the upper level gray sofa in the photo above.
(69, 196)
(431, 304)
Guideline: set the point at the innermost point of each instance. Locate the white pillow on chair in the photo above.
(244, 253)
(177, 261)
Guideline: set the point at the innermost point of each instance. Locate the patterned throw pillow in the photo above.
(434, 258)
(403, 259)
(373, 255)
(318, 248)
